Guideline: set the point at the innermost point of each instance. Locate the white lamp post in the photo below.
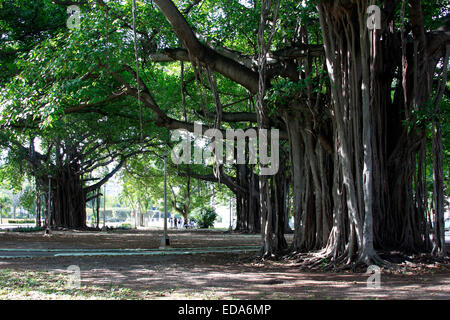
(165, 242)
(49, 213)
(104, 207)
(231, 217)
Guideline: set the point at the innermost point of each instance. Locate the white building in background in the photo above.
(113, 187)
(224, 213)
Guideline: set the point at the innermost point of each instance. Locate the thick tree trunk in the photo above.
(438, 169)
(248, 218)
(379, 142)
(438, 176)
(69, 200)
(347, 50)
(296, 148)
(278, 196)
(268, 247)
(311, 170)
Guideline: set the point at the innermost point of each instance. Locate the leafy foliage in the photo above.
(205, 217)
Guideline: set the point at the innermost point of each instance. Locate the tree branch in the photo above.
(224, 65)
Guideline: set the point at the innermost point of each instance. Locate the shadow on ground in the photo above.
(218, 275)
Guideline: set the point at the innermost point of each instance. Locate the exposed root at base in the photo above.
(388, 261)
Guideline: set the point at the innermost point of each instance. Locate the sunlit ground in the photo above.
(219, 275)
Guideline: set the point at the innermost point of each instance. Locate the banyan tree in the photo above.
(355, 88)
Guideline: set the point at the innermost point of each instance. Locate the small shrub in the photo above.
(205, 217)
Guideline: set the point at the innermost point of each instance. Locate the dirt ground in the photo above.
(214, 275)
(126, 239)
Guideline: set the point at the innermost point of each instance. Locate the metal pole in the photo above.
(165, 242)
(165, 197)
(49, 212)
(231, 218)
(104, 206)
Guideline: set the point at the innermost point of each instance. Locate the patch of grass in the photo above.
(27, 229)
(48, 286)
